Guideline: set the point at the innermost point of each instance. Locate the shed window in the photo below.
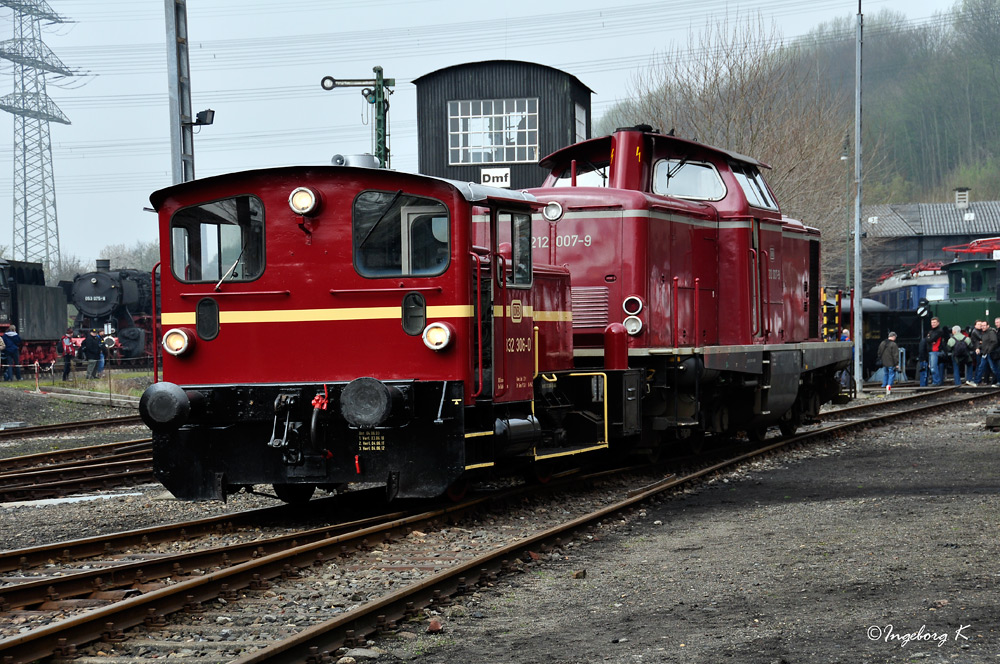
(492, 131)
(581, 123)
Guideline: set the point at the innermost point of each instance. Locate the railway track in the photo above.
(26, 432)
(379, 570)
(64, 472)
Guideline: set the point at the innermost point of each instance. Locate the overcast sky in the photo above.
(258, 64)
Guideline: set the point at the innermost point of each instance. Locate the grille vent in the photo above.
(590, 306)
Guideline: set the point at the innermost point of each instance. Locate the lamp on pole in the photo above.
(845, 156)
(856, 306)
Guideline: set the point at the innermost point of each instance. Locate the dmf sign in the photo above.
(495, 177)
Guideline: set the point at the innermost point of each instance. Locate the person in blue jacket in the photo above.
(12, 353)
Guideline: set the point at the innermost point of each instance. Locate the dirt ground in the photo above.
(883, 551)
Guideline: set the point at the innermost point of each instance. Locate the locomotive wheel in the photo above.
(538, 474)
(294, 493)
(757, 434)
(788, 428)
(695, 443)
(457, 490)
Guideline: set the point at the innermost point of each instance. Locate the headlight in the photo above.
(552, 211)
(632, 305)
(437, 336)
(304, 201)
(633, 325)
(177, 341)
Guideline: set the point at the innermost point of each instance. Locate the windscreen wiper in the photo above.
(673, 171)
(230, 270)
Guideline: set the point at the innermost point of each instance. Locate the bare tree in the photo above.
(738, 86)
(139, 256)
(70, 266)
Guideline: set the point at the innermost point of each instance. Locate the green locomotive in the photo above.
(972, 284)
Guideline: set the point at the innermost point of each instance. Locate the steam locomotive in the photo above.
(118, 301)
(648, 295)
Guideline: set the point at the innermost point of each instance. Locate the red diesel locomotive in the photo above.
(649, 292)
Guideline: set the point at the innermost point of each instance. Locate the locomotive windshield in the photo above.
(221, 240)
(397, 234)
(688, 179)
(588, 174)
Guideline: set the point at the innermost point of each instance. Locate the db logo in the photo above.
(515, 311)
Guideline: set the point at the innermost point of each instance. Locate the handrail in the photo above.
(284, 293)
(399, 289)
(754, 292)
(479, 317)
(676, 323)
(535, 342)
(766, 331)
(697, 311)
(156, 334)
(502, 268)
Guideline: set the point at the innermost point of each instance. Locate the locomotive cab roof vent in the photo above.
(639, 127)
(357, 160)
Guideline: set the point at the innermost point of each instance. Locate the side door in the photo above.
(513, 322)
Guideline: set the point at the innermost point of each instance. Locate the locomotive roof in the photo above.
(603, 144)
(471, 191)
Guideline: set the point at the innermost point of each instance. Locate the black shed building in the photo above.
(490, 122)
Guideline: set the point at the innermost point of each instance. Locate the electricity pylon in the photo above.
(36, 228)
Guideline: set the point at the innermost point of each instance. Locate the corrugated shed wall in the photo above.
(557, 93)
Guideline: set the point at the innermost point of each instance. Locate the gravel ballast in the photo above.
(884, 549)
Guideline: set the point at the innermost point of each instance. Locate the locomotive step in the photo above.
(548, 452)
(664, 423)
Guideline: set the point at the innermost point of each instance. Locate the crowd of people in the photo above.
(92, 349)
(974, 355)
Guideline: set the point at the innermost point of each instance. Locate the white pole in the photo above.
(856, 306)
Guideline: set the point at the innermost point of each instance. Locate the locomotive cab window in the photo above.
(988, 280)
(688, 179)
(752, 183)
(397, 235)
(514, 231)
(956, 282)
(218, 241)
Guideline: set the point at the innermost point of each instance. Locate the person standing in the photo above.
(960, 348)
(68, 350)
(12, 353)
(985, 351)
(975, 338)
(936, 344)
(100, 360)
(922, 362)
(92, 351)
(888, 355)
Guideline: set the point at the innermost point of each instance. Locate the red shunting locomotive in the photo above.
(648, 293)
